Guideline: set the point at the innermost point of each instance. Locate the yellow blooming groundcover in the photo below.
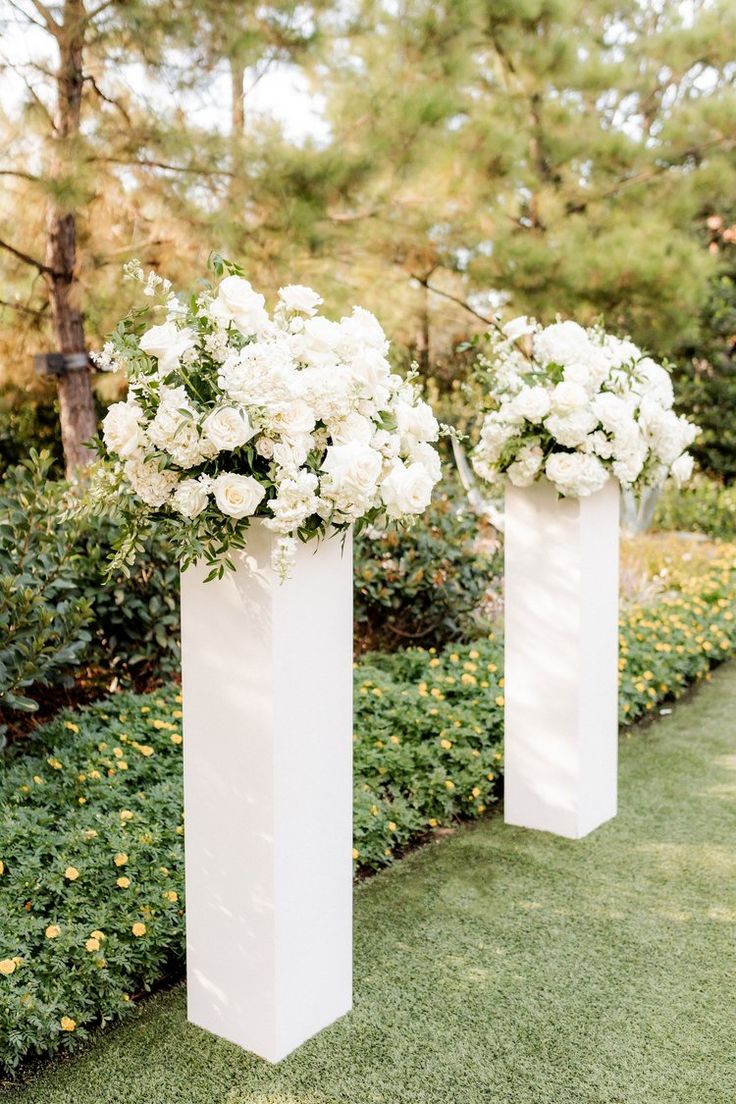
(91, 829)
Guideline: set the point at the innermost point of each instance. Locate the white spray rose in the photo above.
(189, 499)
(238, 496)
(297, 297)
(167, 343)
(237, 302)
(228, 428)
(121, 429)
(406, 489)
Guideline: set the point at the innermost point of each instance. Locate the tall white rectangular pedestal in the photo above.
(267, 689)
(561, 658)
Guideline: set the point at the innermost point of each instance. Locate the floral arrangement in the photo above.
(232, 414)
(578, 406)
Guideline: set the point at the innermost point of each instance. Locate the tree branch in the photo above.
(51, 25)
(22, 308)
(27, 259)
(107, 99)
(423, 281)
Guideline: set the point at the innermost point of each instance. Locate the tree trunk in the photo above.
(237, 106)
(76, 400)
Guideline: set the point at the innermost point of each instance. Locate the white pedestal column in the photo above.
(267, 687)
(561, 667)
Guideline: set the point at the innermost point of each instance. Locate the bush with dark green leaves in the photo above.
(44, 617)
(423, 585)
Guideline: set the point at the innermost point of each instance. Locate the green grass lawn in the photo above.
(500, 966)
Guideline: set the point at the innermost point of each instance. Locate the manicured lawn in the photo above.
(506, 967)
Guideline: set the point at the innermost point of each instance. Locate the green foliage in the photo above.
(27, 423)
(422, 585)
(103, 805)
(58, 614)
(703, 506)
(43, 617)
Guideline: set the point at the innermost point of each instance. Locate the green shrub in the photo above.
(704, 506)
(90, 842)
(422, 585)
(30, 421)
(43, 616)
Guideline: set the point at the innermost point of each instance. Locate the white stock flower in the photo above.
(167, 343)
(237, 302)
(227, 428)
(122, 431)
(189, 498)
(406, 489)
(576, 474)
(238, 496)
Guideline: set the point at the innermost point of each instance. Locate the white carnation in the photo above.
(189, 498)
(149, 483)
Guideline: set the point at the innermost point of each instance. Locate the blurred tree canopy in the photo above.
(536, 156)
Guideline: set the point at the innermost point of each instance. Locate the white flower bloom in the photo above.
(237, 302)
(353, 428)
(359, 331)
(526, 467)
(228, 428)
(416, 423)
(292, 419)
(567, 397)
(562, 343)
(316, 345)
(575, 473)
(353, 469)
(167, 343)
(189, 498)
(531, 403)
(297, 297)
(655, 382)
(150, 484)
(238, 496)
(682, 469)
(423, 453)
(296, 500)
(122, 430)
(518, 327)
(571, 429)
(407, 489)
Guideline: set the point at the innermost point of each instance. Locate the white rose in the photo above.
(360, 330)
(370, 369)
(655, 382)
(237, 496)
(532, 403)
(613, 412)
(575, 474)
(292, 419)
(526, 466)
(228, 428)
(416, 422)
(237, 302)
(406, 490)
(121, 429)
(353, 428)
(423, 453)
(572, 429)
(354, 469)
(518, 327)
(682, 469)
(167, 343)
(189, 499)
(567, 397)
(316, 345)
(297, 297)
(563, 343)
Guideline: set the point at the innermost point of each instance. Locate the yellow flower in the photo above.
(125, 814)
(500, 700)
(145, 709)
(92, 945)
(71, 873)
(120, 859)
(392, 826)
(67, 1023)
(7, 966)
(117, 752)
(90, 833)
(53, 762)
(2, 867)
(38, 779)
(95, 774)
(71, 726)
(123, 882)
(97, 934)
(449, 784)
(476, 791)
(178, 699)
(175, 738)
(138, 928)
(432, 822)
(395, 740)
(171, 895)
(177, 714)
(446, 744)
(146, 750)
(356, 853)
(52, 931)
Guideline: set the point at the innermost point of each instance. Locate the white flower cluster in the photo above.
(579, 406)
(294, 417)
